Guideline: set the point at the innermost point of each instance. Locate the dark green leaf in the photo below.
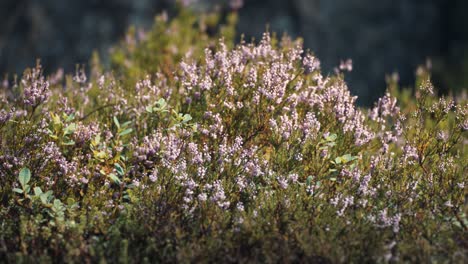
(114, 178)
(119, 169)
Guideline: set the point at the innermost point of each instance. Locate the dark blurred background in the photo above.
(381, 37)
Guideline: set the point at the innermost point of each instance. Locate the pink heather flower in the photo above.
(5, 116)
(80, 76)
(153, 177)
(298, 156)
(219, 196)
(410, 152)
(427, 87)
(364, 185)
(283, 183)
(310, 64)
(197, 157)
(354, 174)
(346, 65)
(310, 126)
(36, 87)
(202, 197)
(5, 83)
(448, 203)
(398, 128)
(348, 201)
(101, 81)
(84, 133)
(190, 75)
(57, 77)
(241, 183)
(443, 104)
(384, 220)
(293, 177)
(323, 153)
(442, 136)
(240, 207)
(385, 106)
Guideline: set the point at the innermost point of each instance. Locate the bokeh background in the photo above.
(381, 37)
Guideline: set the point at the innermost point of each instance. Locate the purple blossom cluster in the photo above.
(36, 87)
(272, 78)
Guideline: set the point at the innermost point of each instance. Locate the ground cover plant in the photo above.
(189, 148)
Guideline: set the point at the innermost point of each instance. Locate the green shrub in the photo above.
(196, 150)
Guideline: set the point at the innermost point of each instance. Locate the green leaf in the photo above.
(70, 201)
(17, 190)
(96, 140)
(24, 176)
(55, 119)
(70, 129)
(69, 143)
(186, 118)
(100, 154)
(114, 178)
(48, 194)
(309, 180)
(43, 198)
(130, 186)
(331, 137)
(57, 203)
(119, 169)
(126, 124)
(116, 122)
(37, 191)
(70, 118)
(347, 158)
(161, 103)
(149, 109)
(125, 132)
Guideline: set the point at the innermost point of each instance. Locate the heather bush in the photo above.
(192, 149)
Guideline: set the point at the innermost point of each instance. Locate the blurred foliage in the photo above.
(163, 47)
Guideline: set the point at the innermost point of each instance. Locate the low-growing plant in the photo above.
(229, 153)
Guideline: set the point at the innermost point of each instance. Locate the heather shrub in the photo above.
(160, 49)
(222, 152)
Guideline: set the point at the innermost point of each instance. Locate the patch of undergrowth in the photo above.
(193, 149)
